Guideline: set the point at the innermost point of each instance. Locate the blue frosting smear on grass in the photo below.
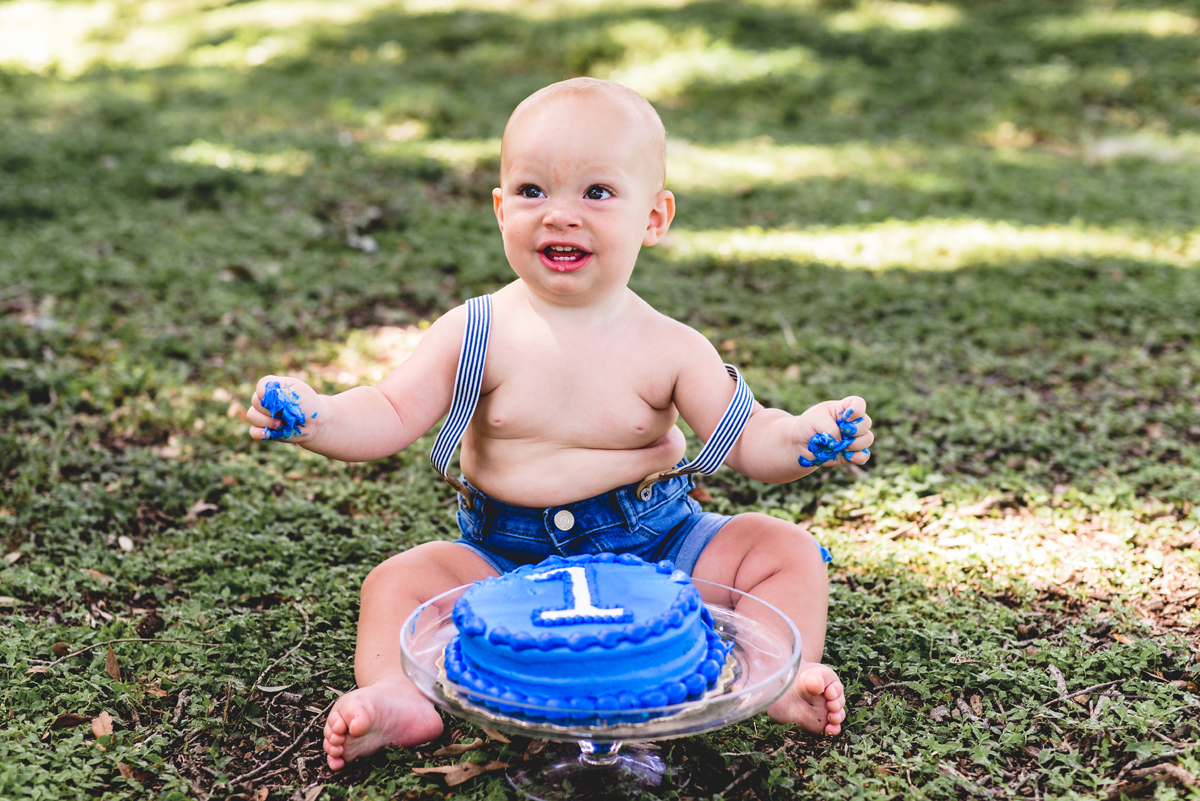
(283, 406)
(825, 448)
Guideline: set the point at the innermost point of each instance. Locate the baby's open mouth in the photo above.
(565, 255)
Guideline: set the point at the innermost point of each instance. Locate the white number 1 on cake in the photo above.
(581, 607)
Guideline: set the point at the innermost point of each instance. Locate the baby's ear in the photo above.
(498, 205)
(660, 217)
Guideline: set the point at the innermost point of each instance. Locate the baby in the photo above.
(578, 386)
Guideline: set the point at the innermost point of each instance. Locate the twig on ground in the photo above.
(1164, 771)
(738, 781)
(1059, 681)
(285, 752)
(1084, 691)
(87, 648)
(292, 650)
(179, 702)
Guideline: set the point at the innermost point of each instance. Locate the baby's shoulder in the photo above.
(668, 332)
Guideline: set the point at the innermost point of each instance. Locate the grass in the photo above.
(982, 217)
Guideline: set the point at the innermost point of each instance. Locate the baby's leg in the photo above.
(387, 709)
(781, 563)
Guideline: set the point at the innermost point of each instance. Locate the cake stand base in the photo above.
(588, 771)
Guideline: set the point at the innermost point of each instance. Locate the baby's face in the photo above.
(580, 194)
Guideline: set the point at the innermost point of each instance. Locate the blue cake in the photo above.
(592, 638)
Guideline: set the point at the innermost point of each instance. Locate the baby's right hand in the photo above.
(284, 408)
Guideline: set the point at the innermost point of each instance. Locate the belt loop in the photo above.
(628, 508)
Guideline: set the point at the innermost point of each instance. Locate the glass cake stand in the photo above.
(586, 760)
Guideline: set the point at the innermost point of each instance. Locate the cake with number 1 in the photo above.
(590, 638)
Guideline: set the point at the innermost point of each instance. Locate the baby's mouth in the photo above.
(563, 256)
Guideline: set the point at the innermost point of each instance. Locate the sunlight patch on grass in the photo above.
(761, 162)
(536, 9)
(930, 244)
(225, 157)
(41, 35)
(896, 16)
(661, 63)
(367, 355)
(1144, 144)
(1107, 552)
(463, 155)
(1158, 23)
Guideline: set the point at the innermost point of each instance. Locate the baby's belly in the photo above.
(549, 474)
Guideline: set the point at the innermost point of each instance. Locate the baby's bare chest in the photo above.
(607, 395)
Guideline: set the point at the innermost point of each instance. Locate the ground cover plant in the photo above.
(982, 216)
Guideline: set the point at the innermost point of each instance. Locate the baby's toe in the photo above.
(335, 723)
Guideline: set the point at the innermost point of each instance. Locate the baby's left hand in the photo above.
(833, 430)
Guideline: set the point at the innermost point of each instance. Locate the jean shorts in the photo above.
(670, 525)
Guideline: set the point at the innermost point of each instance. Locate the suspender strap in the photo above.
(717, 448)
(467, 382)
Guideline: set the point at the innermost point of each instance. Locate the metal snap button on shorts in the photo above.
(668, 525)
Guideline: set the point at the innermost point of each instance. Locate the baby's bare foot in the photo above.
(816, 701)
(388, 712)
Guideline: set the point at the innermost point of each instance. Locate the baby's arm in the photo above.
(773, 441)
(367, 423)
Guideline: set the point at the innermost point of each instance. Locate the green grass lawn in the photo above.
(982, 216)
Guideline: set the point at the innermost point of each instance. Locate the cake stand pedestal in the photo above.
(589, 762)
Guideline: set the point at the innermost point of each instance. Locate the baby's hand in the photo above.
(284, 408)
(833, 430)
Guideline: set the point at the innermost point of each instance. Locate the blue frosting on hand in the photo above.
(276, 400)
(825, 448)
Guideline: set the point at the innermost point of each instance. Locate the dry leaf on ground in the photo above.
(463, 771)
(495, 735)
(96, 574)
(198, 508)
(111, 666)
(454, 749)
(102, 724)
(68, 719)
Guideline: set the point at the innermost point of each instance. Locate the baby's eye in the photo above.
(530, 191)
(598, 192)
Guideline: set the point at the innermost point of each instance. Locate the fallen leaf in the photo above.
(940, 713)
(463, 771)
(102, 724)
(68, 719)
(34, 671)
(700, 494)
(274, 689)
(13, 557)
(977, 704)
(96, 574)
(125, 770)
(7, 600)
(454, 749)
(495, 735)
(261, 793)
(312, 792)
(111, 666)
(198, 508)
(534, 748)
(125, 542)
(975, 509)
(229, 481)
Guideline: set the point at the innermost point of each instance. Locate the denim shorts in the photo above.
(670, 525)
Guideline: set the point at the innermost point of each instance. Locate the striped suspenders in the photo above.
(717, 448)
(469, 378)
(467, 381)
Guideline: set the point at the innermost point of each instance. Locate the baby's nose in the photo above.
(560, 216)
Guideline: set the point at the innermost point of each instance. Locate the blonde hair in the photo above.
(576, 87)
